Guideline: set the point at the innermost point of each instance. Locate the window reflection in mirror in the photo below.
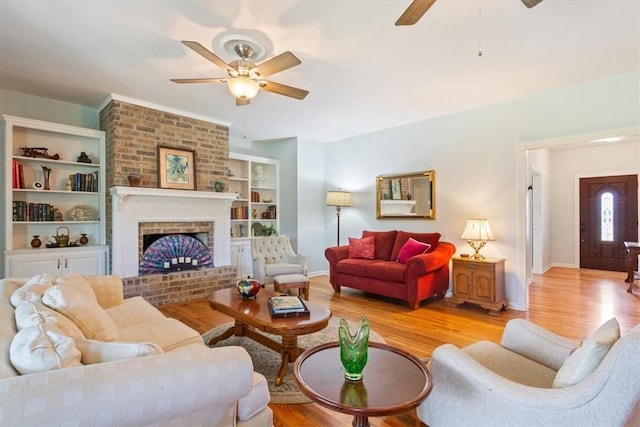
(409, 195)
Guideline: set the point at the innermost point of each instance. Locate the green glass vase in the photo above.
(354, 348)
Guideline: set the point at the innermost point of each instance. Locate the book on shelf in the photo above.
(287, 306)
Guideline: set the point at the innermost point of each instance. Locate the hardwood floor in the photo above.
(569, 302)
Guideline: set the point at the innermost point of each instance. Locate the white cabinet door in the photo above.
(28, 265)
(241, 257)
(89, 261)
(86, 262)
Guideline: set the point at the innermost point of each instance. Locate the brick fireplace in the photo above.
(133, 132)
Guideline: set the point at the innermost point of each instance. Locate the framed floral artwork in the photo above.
(176, 168)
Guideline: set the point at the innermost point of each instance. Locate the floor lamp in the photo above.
(338, 199)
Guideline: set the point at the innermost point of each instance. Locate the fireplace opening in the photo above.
(163, 253)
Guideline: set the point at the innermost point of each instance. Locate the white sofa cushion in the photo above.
(169, 334)
(41, 348)
(85, 312)
(585, 358)
(256, 400)
(76, 281)
(32, 290)
(98, 352)
(34, 313)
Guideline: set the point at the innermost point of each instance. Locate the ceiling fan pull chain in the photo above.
(479, 28)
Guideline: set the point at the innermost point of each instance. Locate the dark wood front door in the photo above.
(608, 218)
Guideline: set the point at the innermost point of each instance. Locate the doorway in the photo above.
(608, 218)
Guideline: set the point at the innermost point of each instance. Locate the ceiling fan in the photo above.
(245, 78)
(419, 7)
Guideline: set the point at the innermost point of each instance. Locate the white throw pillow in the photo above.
(85, 312)
(98, 352)
(76, 281)
(585, 358)
(34, 313)
(32, 290)
(42, 348)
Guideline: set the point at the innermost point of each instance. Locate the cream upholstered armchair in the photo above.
(520, 381)
(273, 256)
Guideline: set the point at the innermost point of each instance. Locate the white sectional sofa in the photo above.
(75, 352)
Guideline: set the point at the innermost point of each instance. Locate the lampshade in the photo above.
(478, 230)
(338, 198)
(243, 87)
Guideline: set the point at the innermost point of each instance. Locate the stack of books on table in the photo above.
(287, 306)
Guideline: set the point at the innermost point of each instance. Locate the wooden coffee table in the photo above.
(393, 381)
(253, 314)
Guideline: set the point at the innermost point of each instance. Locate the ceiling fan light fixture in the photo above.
(243, 87)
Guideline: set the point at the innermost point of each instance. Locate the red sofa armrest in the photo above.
(420, 265)
(334, 254)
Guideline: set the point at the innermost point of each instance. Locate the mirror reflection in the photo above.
(409, 195)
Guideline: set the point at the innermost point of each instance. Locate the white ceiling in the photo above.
(364, 74)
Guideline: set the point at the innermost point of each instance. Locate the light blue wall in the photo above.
(35, 107)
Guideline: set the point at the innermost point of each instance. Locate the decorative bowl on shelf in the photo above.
(267, 200)
(82, 213)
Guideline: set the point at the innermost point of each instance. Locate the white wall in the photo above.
(478, 157)
(567, 167)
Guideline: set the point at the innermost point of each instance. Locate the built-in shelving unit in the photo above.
(256, 182)
(74, 203)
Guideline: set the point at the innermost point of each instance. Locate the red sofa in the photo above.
(423, 276)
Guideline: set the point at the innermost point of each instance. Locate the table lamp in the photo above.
(338, 199)
(477, 233)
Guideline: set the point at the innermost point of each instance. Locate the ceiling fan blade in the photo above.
(415, 11)
(276, 64)
(207, 54)
(212, 80)
(285, 90)
(240, 102)
(530, 3)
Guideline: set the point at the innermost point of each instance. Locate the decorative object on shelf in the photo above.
(396, 192)
(176, 168)
(84, 158)
(477, 233)
(57, 215)
(38, 152)
(267, 200)
(36, 242)
(134, 179)
(243, 229)
(354, 348)
(83, 240)
(258, 179)
(37, 185)
(82, 213)
(248, 288)
(254, 213)
(62, 240)
(338, 199)
(67, 185)
(218, 186)
(47, 174)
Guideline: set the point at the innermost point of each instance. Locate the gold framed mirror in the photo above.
(406, 196)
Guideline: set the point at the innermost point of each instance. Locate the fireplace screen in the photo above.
(174, 252)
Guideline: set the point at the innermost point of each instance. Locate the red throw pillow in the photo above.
(412, 248)
(362, 248)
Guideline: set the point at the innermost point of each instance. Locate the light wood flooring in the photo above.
(569, 302)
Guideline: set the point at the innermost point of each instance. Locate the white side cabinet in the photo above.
(241, 257)
(87, 261)
(53, 182)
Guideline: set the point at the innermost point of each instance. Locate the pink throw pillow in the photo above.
(362, 248)
(412, 248)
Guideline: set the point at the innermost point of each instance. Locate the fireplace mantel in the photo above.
(132, 205)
